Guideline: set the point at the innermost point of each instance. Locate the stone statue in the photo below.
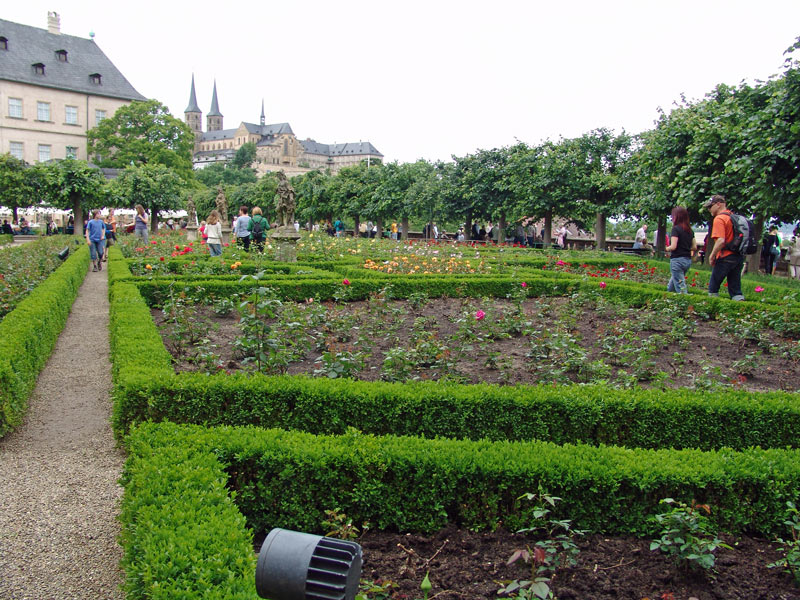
(284, 201)
(222, 206)
(191, 209)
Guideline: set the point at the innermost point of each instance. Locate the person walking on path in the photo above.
(214, 233)
(725, 263)
(96, 238)
(682, 247)
(772, 251)
(59, 470)
(793, 254)
(257, 228)
(140, 224)
(242, 230)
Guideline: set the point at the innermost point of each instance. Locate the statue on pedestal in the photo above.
(284, 201)
(191, 209)
(222, 206)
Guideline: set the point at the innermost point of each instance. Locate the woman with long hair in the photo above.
(214, 233)
(682, 246)
(140, 224)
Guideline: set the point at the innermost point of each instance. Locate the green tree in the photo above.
(219, 173)
(154, 186)
(313, 199)
(143, 133)
(18, 184)
(245, 156)
(601, 156)
(72, 184)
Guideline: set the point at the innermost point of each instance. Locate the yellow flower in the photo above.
(148, 267)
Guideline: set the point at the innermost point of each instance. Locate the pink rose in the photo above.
(480, 315)
(759, 288)
(524, 284)
(346, 282)
(603, 285)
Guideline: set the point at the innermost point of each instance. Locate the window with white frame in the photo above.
(72, 152)
(15, 108)
(71, 115)
(16, 149)
(44, 152)
(99, 115)
(42, 111)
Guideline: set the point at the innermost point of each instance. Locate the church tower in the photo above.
(214, 117)
(263, 118)
(193, 116)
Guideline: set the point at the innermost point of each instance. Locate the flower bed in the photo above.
(29, 332)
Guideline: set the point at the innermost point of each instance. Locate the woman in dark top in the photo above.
(682, 247)
(772, 250)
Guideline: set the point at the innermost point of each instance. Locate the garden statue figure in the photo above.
(192, 213)
(284, 201)
(222, 205)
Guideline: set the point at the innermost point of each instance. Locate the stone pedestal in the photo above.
(284, 242)
(226, 234)
(191, 233)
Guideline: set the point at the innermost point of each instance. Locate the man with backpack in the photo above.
(727, 256)
(257, 228)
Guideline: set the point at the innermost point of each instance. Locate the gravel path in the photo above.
(59, 497)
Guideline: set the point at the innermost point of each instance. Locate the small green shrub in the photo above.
(686, 535)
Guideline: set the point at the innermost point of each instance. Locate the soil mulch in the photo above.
(464, 564)
(707, 358)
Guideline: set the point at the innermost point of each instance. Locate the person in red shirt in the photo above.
(724, 263)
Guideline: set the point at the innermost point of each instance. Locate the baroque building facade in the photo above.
(55, 88)
(277, 147)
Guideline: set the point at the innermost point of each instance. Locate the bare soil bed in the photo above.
(468, 565)
(547, 340)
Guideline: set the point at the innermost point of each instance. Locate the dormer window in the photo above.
(3, 43)
(61, 55)
(38, 68)
(96, 78)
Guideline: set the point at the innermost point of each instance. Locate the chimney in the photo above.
(53, 23)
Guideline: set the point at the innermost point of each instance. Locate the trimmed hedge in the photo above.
(567, 414)
(288, 479)
(182, 535)
(6, 238)
(29, 332)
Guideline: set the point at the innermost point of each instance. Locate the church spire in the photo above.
(192, 108)
(214, 117)
(193, 116)
(263, 118)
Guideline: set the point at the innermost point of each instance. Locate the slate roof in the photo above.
(274, 129)
(30, 45)
(219, 134)
(349, 149)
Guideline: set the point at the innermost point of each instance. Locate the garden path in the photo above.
(59, 497)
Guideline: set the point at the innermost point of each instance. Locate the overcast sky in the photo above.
(437, 78)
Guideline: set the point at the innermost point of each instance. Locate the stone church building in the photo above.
(277, 147)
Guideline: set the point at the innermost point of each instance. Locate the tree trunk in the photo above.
(468, 227)
(404, 224)
(754, 260)
(547, 238)
(15, 215)
(600, 231)
(661, 234)
(77, 212)
(501, 237)
(356, 224)
(379, 225)
(154, 221)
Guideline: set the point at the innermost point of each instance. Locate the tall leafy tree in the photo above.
(18, 184)
(154, 186)
(143, 133)
(72, 184)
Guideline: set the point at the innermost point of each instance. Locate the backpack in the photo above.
(258, 230)
(744, 235)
